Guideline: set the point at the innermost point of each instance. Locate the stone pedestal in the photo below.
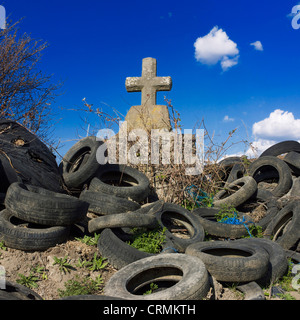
(148, 117)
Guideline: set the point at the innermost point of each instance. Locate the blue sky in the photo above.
(94, 45)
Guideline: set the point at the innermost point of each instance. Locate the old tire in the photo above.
(174, 213)
(266, 163)
(236, 192)
(231, 261)
(282, 147)
(19, 234)
(187, 276)
(122, 181)
(41, 206)
(278, 263)
(207, 218)
(16, 291)
(121, 220)
(103, 204)
(293, 161)
(284, 228)
(80, 164)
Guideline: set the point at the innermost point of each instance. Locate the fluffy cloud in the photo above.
(216, 47)
(257, 45)
(279, 126)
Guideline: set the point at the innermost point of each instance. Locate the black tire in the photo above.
(282, 147)
(252, 291)
(236, 173)
(293, 161)
(120, 220)
(103, 204)
(207, 218)
(173, 213)
(236, 192)
(25, 158)
(285, 226)
(80, 164)
(224, 168)
(264, 164)
(122, 181)
(231, 261)
(278, 263)
(21, 235)
(15, 291)
(188, 273)
(293, 255)
(112, 245)
(38, 205)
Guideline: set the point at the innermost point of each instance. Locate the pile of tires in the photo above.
(233, 256)
(112, 199)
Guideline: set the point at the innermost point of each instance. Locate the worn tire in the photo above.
(80, 164)
(175, 213)
(38, 205)
(207, 219)
(189, 273)
(247, 185)
(32, 237)
(262, 164)
(231, 261)
(109, 177)
(293, 161)
(278, 263)
(252, 291)
(120, 220)
(103, 204)
(284, 228)
(16, 291)
(282, 147)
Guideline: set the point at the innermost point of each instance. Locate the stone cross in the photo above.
(149, 83)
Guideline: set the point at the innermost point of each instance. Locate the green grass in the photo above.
(150, 241)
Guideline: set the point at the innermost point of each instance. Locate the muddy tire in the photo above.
(284, 228)
(173, 213)
(268, 163)
(80, 164)
(182, 277)
(21, 235)
(236, 192)
(104, 204)
(41, 206)
(207, 218)
(231, 261)
(122, 181)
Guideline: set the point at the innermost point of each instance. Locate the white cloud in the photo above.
(257, 45)
(226, 118)
(278, 126)
(216, 47)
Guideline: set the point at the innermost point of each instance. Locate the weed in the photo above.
(64, 266)
(83, 286)
(153, 286)
(28, 281)
(148, 241)
(226, 211)
(88, 240)
(95, 265)
(2, 246)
